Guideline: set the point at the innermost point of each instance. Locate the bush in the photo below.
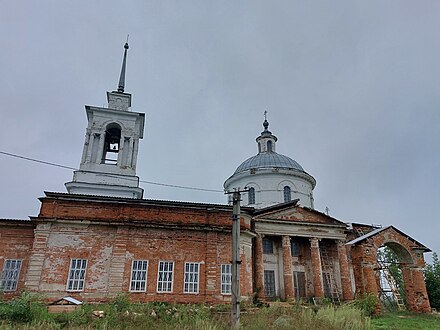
(121, 303)
(23, 309)
(432, 279)
(366, 303)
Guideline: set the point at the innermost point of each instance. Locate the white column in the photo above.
(100, 151)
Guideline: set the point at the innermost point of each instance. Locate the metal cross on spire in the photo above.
(265, 123)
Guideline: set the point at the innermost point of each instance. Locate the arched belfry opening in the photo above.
(111, 144)
(391, 258)
(388, 264)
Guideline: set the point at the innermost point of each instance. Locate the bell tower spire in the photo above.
(108, 163)
(121, 84)
(119, 100)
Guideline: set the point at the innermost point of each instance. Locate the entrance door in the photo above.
(269, 283)
(299, 282)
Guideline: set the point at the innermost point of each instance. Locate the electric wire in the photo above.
(110, 175)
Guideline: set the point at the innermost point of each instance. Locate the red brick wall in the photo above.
(137, 213)
(364, 260)
(16, 239)
(146, 232)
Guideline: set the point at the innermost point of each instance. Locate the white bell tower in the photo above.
(108, 163)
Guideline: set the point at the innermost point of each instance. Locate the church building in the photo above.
(102, 238)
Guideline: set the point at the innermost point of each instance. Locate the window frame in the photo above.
(226, 279)
(295, 246)
(80, 279)
(164, 282)
(270, 291)
(187, 283)
(139, 272)
(251, 196)
(287, 194)
(265, 246)
(10, 276)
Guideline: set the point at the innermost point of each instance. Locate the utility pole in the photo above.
(235, 313)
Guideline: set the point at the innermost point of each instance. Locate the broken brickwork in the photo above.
(410, 254)
(110, 233)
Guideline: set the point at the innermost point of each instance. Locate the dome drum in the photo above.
(273, 176)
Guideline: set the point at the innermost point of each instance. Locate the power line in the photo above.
(110, 175)
(37, 160)
(182, 187)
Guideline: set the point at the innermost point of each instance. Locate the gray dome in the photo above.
(269, 160)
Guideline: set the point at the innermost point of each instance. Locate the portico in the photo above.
(300, 253)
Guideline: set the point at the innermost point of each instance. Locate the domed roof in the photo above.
(269, 160)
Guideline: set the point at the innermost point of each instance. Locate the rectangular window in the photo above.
(10, 275)
(267, 246)
(138, 278)
(77, 274)
(226, 273)
(269, 283)
(295, 248)
(165, 276)
(191, 279)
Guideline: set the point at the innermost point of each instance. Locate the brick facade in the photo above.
(111, 233)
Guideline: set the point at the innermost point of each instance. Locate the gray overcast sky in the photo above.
(352, 90)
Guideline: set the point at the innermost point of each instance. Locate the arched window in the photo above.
(111, 144)
(287, 194)
(269, 146)
(251, 195)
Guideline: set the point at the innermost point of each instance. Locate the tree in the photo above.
(432, 279)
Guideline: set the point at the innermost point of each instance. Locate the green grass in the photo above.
(28, 312)
(406, 321)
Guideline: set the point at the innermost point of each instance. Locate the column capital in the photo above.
(340, 242)
(314, 241)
